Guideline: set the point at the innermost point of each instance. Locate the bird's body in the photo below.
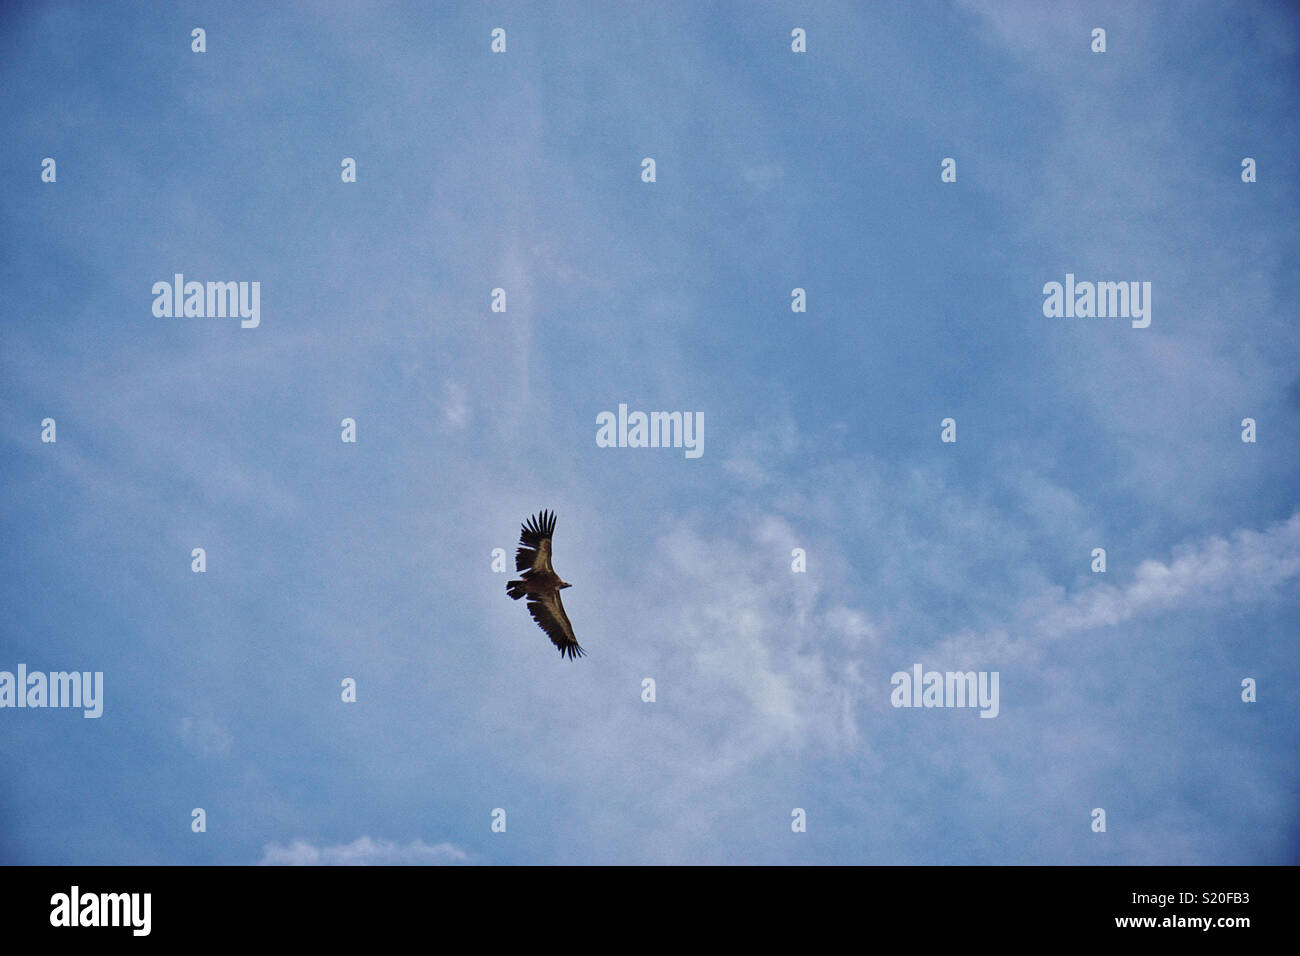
(542, 585)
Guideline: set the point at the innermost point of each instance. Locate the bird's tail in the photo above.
(515, 589)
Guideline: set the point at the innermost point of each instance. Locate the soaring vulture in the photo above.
(542, 584)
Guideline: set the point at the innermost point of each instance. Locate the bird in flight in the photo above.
(542, 584)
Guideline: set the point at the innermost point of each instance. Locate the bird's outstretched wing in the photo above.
(548, 612)
(534, 553)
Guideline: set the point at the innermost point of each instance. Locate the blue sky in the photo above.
(775, 170)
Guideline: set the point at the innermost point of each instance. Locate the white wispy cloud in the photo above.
(362, 851)
(1213, 572)
(1244, 569)
(455, 406)
(205, 736)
